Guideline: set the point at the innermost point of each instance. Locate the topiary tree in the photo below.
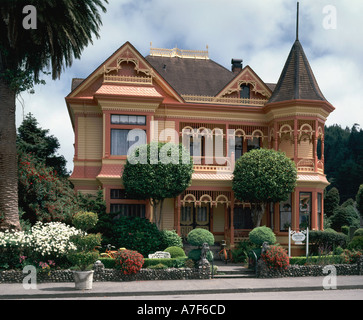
(157, 171)
(260, 235)
(262, 176)
(175, 252)
(199, 236)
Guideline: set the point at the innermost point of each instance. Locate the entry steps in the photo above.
(232, 270)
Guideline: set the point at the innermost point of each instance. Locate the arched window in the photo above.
(245, 91)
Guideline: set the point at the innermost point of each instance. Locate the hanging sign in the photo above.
(298, 237)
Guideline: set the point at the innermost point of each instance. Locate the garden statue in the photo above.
(203, 262)
(265, 247)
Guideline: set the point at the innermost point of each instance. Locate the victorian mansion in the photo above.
(172, 93)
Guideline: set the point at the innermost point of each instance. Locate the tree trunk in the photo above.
(160, 213)
(258, 210)
(8, 160)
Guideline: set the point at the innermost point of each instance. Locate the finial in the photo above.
(297, 21)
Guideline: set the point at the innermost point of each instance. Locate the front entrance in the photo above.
(192, 217)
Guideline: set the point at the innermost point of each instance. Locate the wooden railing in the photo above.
(127, 79)
(224, 100)
(213, 164)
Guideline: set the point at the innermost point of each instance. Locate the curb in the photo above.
(84, 294)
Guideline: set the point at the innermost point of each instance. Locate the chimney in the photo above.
(237, 65)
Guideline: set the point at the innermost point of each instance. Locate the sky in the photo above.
(260, 32)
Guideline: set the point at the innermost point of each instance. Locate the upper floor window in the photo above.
(245, 91)
(123, 140)
(128, 119)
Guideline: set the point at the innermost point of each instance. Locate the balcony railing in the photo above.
(127, 79)
(224, 100)
(213, 164)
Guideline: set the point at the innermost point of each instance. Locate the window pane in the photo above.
(141, 120)
(128, 210)
(124, 119)
(132, 120)
(285, 214)
(119, 143)
(245, 92)
(242, 218)
(238, 147)
(305, 210)
(115, 119)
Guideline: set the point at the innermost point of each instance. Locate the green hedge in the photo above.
(170, 263)
(332, 259)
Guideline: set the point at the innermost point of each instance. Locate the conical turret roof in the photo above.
(297, 81)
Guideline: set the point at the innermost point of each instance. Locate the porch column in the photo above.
(295, 214)
(225, 222)
(314, 211)
(177, 210)
(232, 219)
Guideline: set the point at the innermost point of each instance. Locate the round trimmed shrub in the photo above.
(263, 234)
(171, 239)
(198, 237)
(128, 261)
(175, 252)
(85, 220)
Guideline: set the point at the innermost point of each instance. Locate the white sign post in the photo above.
(298, 238)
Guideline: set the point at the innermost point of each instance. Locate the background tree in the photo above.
(262, 176)
(37, 141)
(344, 159)
(359, 199)
(64, 29)
(157, 171)
(331, 201)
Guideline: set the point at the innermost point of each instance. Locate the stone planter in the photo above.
(83, 279)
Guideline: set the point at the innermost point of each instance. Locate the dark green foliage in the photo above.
(43, 147)
(137, 234)
(344, 216)
(241, 250)
(358, 233)
(344, 159)
(171, 239)
(157, 171)
(326, 240)
(356, 243)
(260, 235)
(195, 255)
(359, 199)
(262, 176)
(331, 201)
(198, 237)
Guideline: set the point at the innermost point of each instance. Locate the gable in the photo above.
(259, 90)
(126, 68)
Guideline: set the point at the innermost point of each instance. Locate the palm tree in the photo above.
(63, 29)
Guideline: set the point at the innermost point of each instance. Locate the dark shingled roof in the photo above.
(297, 80)
(192, 76)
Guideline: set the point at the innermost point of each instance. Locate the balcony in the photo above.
(204, 164)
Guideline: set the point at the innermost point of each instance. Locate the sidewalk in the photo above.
(176, 287)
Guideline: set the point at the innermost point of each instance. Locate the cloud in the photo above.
(260, 32)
